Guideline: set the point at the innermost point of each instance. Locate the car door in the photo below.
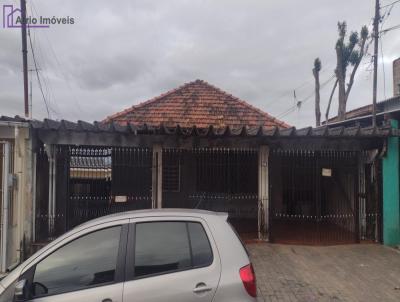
(171, 260)
(89, 268)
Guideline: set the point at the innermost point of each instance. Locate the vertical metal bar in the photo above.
(355, 194)
(34, 197)
(5, 203)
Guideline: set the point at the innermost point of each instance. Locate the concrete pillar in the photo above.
(263, 192)
(391, 207)
(157, 177)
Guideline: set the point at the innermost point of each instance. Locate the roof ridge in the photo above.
(245, 103)
(152, 100)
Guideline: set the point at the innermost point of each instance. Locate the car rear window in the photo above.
(201, 249)
(166, 247)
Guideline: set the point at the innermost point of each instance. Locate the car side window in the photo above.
(88, 261)
(161, 247)
(165, 247)
(201, 248)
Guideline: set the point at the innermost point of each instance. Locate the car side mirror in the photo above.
(20, 290)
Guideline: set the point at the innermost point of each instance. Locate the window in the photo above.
(163, 247)
(171, 171)
(87, 261)
(201, 249)
(229, 171)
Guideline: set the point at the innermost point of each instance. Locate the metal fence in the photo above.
(89, 182)
(314, 197)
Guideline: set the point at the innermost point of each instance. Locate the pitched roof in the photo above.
(366, 110)
(196, 104)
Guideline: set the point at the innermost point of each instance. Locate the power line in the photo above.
(300, 103)
(37, 75)
(383, 20)
(58, 64)
(390, 29)
(390, 4)
(383, 70)
(46, 81)
(291, 91)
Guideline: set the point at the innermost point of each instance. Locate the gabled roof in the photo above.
(196, 104)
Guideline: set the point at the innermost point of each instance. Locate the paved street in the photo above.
(364, 272)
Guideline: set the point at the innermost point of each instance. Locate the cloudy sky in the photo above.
(119, 53)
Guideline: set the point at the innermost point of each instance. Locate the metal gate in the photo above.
(314, 197)
(89, 182)
(216, 179)
(106, 180)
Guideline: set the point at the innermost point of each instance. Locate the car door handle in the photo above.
(107, 300)
(201, 288)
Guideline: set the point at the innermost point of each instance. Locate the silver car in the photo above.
(150, 255)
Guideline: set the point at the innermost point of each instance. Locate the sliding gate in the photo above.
(314, 197)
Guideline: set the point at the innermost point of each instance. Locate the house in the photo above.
(200, 147)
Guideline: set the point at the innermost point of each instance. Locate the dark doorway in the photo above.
(215, 179)
(314, 197)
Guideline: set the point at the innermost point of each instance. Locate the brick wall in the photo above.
(396, 77)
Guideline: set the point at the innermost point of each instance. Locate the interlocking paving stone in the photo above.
(363, 272)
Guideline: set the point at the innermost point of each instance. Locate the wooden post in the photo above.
(263, 192)
(157, 177)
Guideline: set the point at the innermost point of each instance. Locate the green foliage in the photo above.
(364, 33)
(342, 28)
(355, 57)
(353, 39)
(317, 65)
(347, 50)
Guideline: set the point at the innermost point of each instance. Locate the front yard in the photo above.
(363, 272)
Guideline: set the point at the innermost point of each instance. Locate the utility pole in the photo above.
(30, 93)
(377, 19)
(25, 57)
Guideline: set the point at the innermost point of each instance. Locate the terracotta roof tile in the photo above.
(196, 104)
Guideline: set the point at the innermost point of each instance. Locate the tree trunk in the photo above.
(330, 102)
(317, 98)
(353, 73)
(341, 77)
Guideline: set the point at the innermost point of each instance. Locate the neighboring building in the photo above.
(16, 191)
(387, 114)
(396, 77)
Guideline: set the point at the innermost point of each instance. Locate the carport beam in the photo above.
(391, 207)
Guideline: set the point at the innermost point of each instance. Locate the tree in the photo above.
(350, 53)
(316, 70)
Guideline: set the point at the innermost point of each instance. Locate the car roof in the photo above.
(153, 213)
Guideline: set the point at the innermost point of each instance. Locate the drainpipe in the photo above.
(4, 218)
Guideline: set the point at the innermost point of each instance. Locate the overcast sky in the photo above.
(119, 53)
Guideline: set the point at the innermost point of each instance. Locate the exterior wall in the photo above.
(391, 194)
(20, 206)
(396, 77)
